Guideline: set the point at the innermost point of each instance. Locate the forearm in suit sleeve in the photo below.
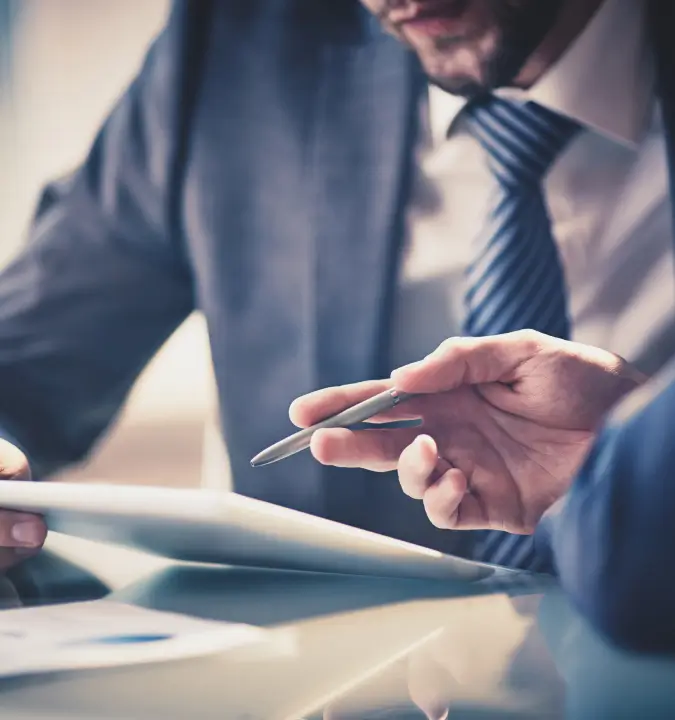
(103, 280)
(612, 537)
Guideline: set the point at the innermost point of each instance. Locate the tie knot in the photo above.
(522, 139)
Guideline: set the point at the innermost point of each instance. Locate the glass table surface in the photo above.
(344, 648)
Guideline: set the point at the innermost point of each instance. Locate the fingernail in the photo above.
(28, 533)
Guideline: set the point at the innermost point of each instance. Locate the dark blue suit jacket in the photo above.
(612, 538)
(257, 170)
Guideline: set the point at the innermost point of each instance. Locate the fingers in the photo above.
(465, 360)
(314, 407)
(424, 476)
(416, 466)
(443, 499)
(21, 534)
(376, 450)
(13, 463)
(442, 488)
(21, 530)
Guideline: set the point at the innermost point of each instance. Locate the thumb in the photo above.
(470, 361)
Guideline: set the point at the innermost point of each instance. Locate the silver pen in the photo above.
(357, 413)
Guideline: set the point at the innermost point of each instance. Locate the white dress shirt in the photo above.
(607, 195)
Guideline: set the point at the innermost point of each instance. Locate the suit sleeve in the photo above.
(103, 280)
(612, 537)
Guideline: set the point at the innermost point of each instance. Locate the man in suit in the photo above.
(303, 174)
(516, 437)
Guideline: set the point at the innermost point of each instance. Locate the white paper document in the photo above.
(103, 633)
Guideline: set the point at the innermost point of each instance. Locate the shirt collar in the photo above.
(604, 80)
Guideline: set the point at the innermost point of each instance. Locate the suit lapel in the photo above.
(361, 154)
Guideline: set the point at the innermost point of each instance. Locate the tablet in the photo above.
(211, 526)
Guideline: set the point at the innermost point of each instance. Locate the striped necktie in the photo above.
(515, 280)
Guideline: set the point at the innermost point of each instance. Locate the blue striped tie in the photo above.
(516, 280)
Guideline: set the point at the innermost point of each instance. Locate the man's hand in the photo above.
(21, 534)
(506, 422)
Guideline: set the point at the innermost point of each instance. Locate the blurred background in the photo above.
(63, 63)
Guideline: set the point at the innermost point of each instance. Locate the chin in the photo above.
(454, 78)
(461, 86)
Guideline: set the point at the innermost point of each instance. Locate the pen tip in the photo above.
(260, 459)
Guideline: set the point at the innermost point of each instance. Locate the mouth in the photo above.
(423, 11)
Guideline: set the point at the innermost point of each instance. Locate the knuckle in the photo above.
(447, 345)
(454, 347)
(341, 394)
(435, 514)
(531, 339)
